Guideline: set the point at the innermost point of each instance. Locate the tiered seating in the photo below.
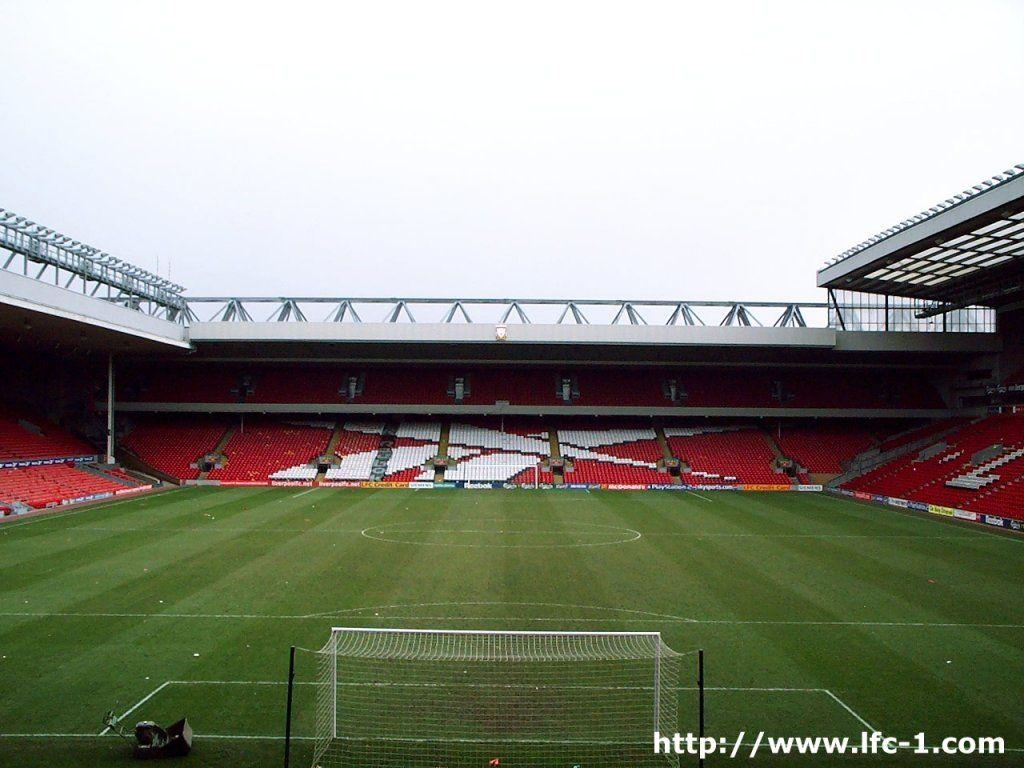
(947, 478)
(1006, 499)
(919, 433)
(171, 445)
(24, 436)
(50, 485)
(209, 385)
(310, 385)
(428, 385)
(823, 449)
(604, 472)
(300, 473)
(494, 454)
(616, 456)
(732, 456)
(405, 386)
(265, 448)
(983, 474)
(357, 448)
(121, 475)
(416, 444)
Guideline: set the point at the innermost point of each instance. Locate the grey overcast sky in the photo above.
(630, 150)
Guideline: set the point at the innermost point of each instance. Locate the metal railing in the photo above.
(507, 311)
(46, 255)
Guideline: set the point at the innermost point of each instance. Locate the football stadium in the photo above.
(312, 499)
(531, 531)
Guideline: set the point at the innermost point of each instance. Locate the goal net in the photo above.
(443, 699)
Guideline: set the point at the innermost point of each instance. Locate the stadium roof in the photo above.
(74, 264)
(967, 250)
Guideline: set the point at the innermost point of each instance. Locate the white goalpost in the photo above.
(410, 698)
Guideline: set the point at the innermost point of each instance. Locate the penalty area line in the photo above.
(198, 736)
(138, 704)
(849, 709)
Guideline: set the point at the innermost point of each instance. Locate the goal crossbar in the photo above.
(402, 631)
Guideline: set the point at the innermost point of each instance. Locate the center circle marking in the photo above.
(503, 534)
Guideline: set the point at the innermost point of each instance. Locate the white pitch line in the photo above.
(683, 620)
(61, 515)
(235, 736)
(849, 709)
(303, 493)
(207, 528)
(743, 689)
(138, 704)
(699, 496)
(159, 688)
(96, 736)
(525, 619)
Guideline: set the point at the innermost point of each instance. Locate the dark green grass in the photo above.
(914, 623)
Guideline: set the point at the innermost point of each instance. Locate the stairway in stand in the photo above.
(556, 455)
(105, 475)
(388, 436)
(442, 450)
(667, 456)
(219, 449)
(332, 445)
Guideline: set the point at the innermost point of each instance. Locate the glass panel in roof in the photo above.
(904, 277)
(1011, 248)
(1004, 228)
(975, 243)
(915, 266)
(958, 240)
(977, 257)
(1012, 230)
(987, 229)
(959, 257)
(965, 271)
(994, 244)
(997, 260)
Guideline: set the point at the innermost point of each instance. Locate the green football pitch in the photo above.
(818, 616)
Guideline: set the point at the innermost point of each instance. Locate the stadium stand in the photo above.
(538, 386)
(356, 449)
(508, 452)
(171, 445)
(261, 449)
(415, 445)
(724, 455)
(24, 436)
(822, 449)
(906, 437)
(187, 385)
(621, 456)
(979, 467)
(53, 484)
